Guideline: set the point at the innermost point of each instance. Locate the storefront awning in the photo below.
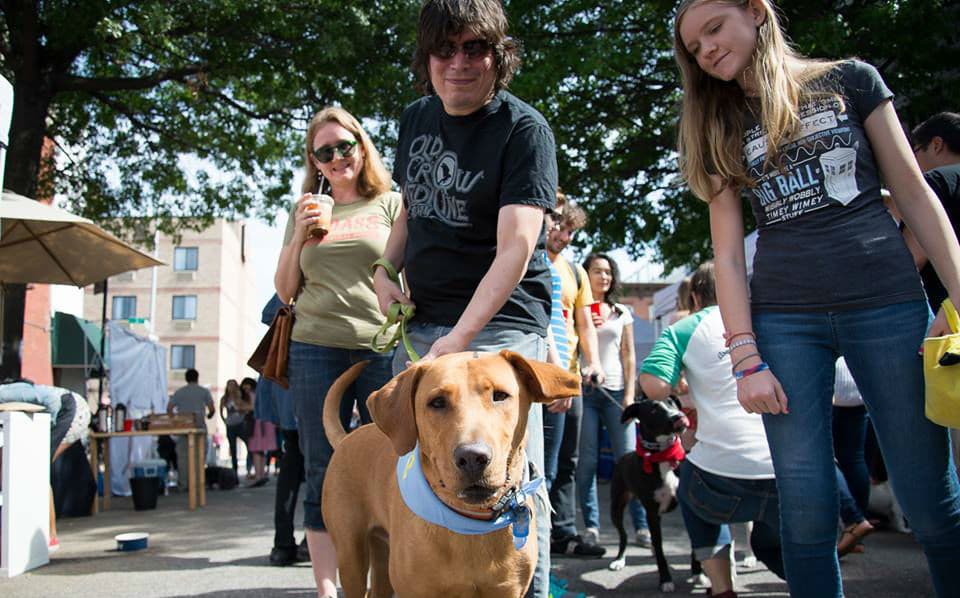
(75, 342)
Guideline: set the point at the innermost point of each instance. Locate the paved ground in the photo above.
(221, 551)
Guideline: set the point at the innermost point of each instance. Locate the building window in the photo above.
(182, 356)
(124, 307)
(184, 307)
(185, 258)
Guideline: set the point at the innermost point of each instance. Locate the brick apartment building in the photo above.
(206, 316)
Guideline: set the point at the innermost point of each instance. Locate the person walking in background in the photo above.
(936, 145)
(603, 404)
(755, 119)
(727, 477)
(275, 405)
(472, 252)
(234, 406)
(561, 420)
(195, 400)
(262, 441)
(853, 477)
(336, 308)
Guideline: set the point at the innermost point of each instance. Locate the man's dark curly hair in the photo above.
(441, 19)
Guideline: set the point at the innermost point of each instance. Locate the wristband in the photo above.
(387, 266)
(744, 358)
(751, 371)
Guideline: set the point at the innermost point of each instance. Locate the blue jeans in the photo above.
(493, 338)
(312, 369)
(880, 346)
(849, 442)
(708, 502)
(561, 441)
(599, 410)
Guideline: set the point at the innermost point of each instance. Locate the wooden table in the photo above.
(196, 473)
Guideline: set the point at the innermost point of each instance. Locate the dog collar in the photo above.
(510, 510)
(651, 453)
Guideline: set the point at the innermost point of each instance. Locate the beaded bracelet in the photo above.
(751, 371)
(742, 343)
(729, 337)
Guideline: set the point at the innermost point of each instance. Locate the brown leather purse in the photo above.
(271, 355)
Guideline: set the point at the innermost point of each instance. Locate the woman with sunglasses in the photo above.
(328, 275)
(808, 142)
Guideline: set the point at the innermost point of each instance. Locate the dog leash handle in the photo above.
(398, 313)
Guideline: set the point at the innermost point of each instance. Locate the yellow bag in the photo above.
(941, 370)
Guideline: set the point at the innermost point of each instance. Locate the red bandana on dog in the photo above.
(673, 455)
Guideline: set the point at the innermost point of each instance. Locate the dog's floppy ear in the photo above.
(630, 413)
(544, 381)
(391, 408)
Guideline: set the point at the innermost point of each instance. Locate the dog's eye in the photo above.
(438, 402)
(499, 395)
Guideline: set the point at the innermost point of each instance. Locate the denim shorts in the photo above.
(312, 369)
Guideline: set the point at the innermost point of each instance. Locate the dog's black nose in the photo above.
(472, 459)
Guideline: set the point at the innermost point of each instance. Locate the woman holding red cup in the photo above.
(602, 405)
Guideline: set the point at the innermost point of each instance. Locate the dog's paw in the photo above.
(749, 562)
(667, 586)
(618, 564)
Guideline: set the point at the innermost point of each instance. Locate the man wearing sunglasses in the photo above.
(477, 168)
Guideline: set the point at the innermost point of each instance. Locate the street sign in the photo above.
(137, 320)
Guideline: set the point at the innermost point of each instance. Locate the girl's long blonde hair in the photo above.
(374, 178)
(711, 121)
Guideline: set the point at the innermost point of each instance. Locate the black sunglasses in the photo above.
(325, 153)
(473, 49)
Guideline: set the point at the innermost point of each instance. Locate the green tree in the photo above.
(184, 110)
(189, 108)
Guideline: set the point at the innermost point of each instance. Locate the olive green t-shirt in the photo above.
(337, 306)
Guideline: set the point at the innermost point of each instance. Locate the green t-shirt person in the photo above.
(336, 304)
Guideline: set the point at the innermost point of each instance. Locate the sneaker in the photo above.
(643, 538)
(303, 552)
(282, 556)
(53, 545)
(591, 535)
(589, 550)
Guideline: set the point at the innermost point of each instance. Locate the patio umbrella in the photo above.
(43, 244)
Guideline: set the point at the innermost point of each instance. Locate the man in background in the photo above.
(196, 400)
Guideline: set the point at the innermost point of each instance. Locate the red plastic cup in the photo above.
(595, 309)
(128, 425)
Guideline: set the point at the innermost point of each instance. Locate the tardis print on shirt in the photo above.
(819, 167)
(826, 241)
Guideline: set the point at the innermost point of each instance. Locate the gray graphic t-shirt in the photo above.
(455, 173)
(825, 241)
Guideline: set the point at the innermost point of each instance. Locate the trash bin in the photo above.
(146, 483)
(152, 468)
(145, 492)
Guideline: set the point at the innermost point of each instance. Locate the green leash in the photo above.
(398, 315)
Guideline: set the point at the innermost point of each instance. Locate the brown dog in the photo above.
(468, 413)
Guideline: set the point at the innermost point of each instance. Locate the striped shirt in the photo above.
(557, 324)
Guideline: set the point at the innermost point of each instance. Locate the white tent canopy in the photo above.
(138, 381)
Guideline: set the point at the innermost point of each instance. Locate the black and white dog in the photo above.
(647, 474)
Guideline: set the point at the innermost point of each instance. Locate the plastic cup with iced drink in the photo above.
(324, 204)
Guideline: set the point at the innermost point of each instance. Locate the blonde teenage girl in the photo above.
(807, 142)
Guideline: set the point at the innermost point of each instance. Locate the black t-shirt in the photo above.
(455, 174)
(945, 182)
(825, 241)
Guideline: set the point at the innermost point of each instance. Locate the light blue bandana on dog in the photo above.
(419, 497)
